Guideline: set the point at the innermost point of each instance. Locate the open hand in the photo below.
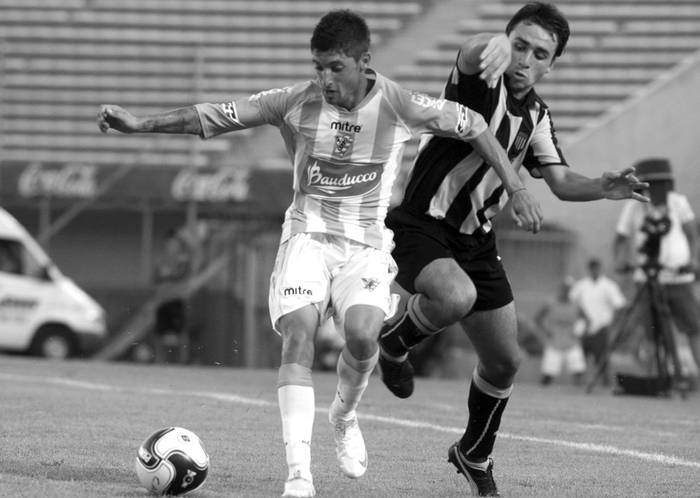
(494, 59)
(623, 185)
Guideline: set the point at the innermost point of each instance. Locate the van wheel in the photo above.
(54, 342)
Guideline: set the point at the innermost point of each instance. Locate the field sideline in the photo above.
(71, 429)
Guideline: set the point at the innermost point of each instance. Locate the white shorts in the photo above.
(333, 273)
(554, 359)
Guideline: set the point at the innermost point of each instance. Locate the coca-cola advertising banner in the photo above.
(270, 189)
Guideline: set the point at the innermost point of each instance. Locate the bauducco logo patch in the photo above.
(323, 178)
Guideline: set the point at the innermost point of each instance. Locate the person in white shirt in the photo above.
(672, 255)
(599, 298)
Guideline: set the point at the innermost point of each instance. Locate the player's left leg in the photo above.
(355, 365)
(494, 336)
(360, 293)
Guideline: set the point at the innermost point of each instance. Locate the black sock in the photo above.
(397, 339)
(409, 331)
(484, 419)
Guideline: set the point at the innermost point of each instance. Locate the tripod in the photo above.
(666, 358)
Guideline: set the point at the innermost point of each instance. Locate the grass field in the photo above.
(71, 429)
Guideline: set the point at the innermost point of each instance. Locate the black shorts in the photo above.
(421, 239)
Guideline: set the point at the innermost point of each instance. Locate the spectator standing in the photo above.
(599, 298)
(558, 322)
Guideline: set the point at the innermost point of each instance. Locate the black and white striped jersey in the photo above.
(451, 182)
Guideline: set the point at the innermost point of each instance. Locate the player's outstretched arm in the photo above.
(184, 120)
(568, 185)
(524, 207)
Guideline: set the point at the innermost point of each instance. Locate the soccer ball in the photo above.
(172, 461)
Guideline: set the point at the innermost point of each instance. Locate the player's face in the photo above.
(341, 77)
(533, 50)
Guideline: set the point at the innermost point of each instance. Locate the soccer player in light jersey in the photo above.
(345, 132)
(449, 268)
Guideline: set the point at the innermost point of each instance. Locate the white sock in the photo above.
(297, 409)
(353, 377)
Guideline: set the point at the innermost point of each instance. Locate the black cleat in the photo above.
(481, 482)
(397, 376)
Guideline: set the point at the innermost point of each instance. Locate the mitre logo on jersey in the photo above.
(310, 290)
(346, 126)
(327, 179)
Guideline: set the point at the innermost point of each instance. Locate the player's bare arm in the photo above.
(486, 54)
(524, 207)
(184, 120)
(568, 185)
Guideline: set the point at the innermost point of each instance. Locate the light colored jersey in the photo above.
(345, 162)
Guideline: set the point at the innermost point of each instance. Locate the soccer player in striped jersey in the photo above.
(345, 132)
(449, 268)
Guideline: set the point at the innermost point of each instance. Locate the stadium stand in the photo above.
(60, 59)
(616, 48)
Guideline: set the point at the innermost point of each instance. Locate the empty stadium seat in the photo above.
(62, 58)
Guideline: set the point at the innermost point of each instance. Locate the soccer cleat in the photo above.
(480, 481)
(349, 447)
(397, 376)
(298, 486)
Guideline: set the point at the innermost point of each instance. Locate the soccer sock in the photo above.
(486, 403)
(353, 377)
(413, 326)
(295, 394)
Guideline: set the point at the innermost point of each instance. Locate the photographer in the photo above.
(659, 239)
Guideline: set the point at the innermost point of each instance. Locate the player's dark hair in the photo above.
(341, 31)
(548, 17)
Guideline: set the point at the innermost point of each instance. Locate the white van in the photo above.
(42, 312)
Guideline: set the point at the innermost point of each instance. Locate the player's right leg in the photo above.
(444, 294)
(298, 290)
(295, 394)
(494, 336)
(435, 292)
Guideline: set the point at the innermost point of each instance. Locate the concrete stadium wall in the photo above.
(659, 121)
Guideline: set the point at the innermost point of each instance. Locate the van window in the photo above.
(10, 256)
(14, 258)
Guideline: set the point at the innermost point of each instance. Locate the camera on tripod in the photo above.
(655, 226)
(650, 307)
